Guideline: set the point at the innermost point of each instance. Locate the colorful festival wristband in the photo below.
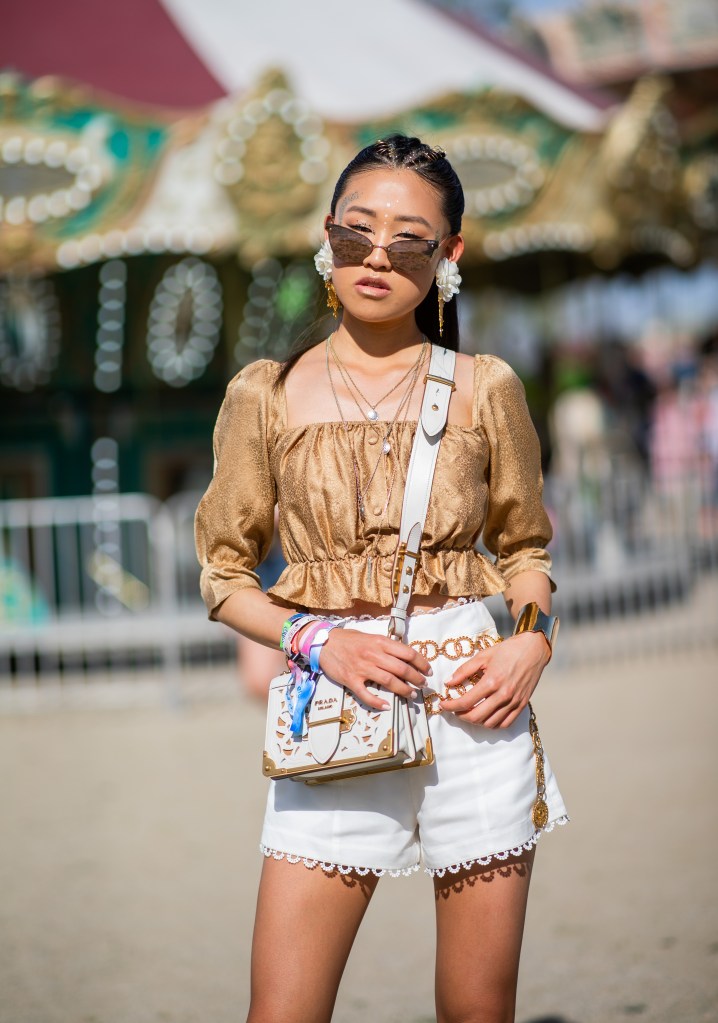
(290, 629)
(317, 642)
(303, 644)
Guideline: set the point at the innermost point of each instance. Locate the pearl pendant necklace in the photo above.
(372, 414)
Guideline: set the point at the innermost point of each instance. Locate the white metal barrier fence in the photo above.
(106, 587)
(101, 586)
(636, 566)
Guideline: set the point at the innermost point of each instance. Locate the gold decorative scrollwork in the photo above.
(272, 159)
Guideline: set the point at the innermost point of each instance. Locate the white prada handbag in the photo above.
(342, 737)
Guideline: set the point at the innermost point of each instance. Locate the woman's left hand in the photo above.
(509, 673)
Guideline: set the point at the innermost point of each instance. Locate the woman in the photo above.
(328, 436)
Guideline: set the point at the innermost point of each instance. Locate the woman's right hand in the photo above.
(355, 658)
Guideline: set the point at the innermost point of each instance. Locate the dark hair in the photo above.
(403, 153)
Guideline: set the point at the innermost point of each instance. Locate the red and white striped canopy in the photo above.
(346, 64)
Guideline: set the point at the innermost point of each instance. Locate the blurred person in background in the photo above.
(675, 446)
(708, 385)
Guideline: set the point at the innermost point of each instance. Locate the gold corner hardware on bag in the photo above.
(384, 750)
(440, 380)
(428, 758)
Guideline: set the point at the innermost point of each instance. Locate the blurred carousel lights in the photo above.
(666, 240)
(110, 326)
(105, 562)
(701, 180)
(256, 327)
(279, 304)
(516, 241)
(474, 154)
(308, 128)
(185, 321)
(53, 154)
(29, 332)
(132, 242)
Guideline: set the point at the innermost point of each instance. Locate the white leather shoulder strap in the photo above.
(429, 431)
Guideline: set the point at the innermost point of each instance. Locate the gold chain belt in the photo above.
(455, 648)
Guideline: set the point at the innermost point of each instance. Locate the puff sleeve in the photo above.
(517, 527)
(234, 522)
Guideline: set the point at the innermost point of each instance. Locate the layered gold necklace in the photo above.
(370, 411)
(400, 415)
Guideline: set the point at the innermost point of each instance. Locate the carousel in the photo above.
(148, 252)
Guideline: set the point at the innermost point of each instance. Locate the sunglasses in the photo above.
(407, 255)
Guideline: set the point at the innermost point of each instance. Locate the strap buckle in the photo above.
(398, 570)
(440, 380)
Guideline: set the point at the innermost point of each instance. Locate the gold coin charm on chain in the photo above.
(539, 811)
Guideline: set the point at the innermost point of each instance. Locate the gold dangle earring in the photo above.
(323, 261)
(333, 302)
(448, 280)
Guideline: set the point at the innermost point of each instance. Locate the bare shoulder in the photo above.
(462, 403)
(308, 370)
(309, 397)
(465, 370)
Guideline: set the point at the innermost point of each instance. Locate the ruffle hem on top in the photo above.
(335, 584)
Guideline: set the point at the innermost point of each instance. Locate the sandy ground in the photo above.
(129, 862)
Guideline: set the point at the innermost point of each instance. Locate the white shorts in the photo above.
(471, 806)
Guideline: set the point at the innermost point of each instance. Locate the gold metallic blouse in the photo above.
(488, 481)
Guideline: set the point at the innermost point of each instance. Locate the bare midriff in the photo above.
(365, 607)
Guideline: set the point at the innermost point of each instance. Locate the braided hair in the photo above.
(401, 152)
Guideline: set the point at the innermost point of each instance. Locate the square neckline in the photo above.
(283, 428)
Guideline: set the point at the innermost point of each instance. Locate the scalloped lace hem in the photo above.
(484, 861)
(342, 868)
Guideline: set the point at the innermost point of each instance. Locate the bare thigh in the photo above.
(480, 914)
(304, 930)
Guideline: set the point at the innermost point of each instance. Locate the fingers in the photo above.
(355, 659)
(468, 685)
(401, 671)
(496, 711)
(464, 702)
(472, 670)
(367, 697)
(484, 694)
(493, 687)
(389, 680)
(503, 718)
(408, 654)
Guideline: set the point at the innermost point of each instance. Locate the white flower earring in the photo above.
(324, 262)
(448, 280)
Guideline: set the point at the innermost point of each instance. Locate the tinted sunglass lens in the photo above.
(351, 247)
(348, 246)
(410, 256)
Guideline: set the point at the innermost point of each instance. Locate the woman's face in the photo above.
(389, 205)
